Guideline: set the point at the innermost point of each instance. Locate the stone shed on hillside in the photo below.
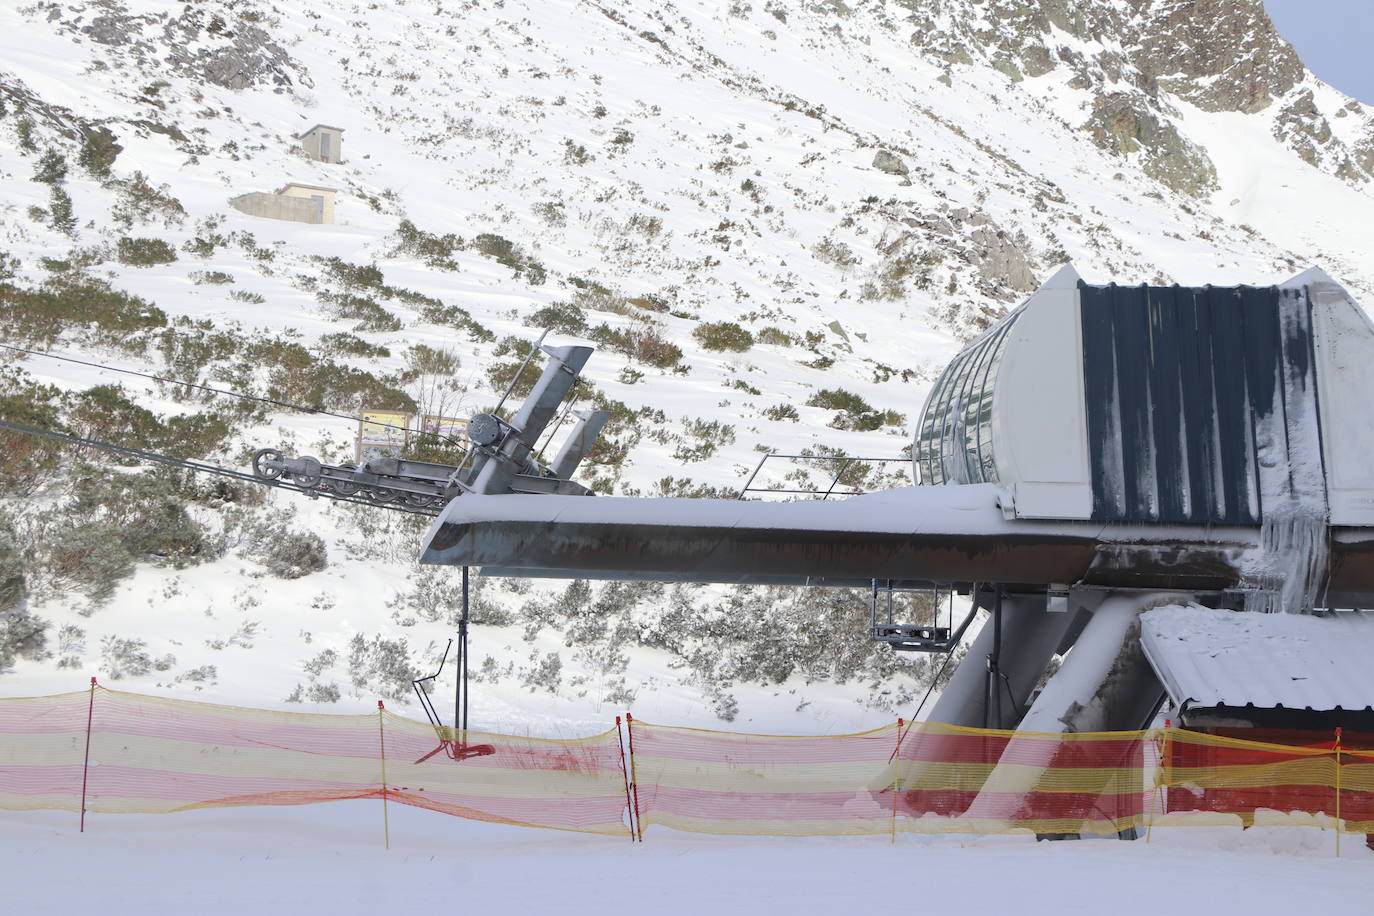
(323, 143)
(300, 203)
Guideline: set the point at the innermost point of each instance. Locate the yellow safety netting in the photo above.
(152, 755)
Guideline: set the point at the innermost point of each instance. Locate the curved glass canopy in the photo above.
(954, 439)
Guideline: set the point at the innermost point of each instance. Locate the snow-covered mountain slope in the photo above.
(858, 186)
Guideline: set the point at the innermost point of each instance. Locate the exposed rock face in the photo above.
(1302, 125)
(1141, 56)
(1125, 123)
(1220, 55)
(235, 55)
(888, 162)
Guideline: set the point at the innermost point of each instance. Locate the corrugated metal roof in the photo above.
(1291, 661)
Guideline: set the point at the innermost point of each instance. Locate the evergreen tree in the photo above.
(24, 132)
(98, 152)
(60, 213)
(51, 168)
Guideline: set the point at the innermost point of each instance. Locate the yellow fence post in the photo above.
(1338, 793)
(381, 739)
(1161, 777)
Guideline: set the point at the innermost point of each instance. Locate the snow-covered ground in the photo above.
(330, 859)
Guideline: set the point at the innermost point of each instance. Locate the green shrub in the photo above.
(286, 552)
(702, 438)
(854, 412)
(723, 335)
(22, 635)
(60, 214)
(210, 277)
(27, 462)
(560, 317)
(369, 315)
(51, 168)
(776, 337)
(646, 344)
(782, 411)
(140, 202)
(839, 399)
(345, 344)
(436, 251)
(351, 276)
(508, 254)
(98, 152)
(454, 316)
(64, 302)
(144, 252)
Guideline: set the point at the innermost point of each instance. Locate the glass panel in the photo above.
(955, 442)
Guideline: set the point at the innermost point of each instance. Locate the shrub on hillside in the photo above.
(286, 552)
(369, 315)
(22, 635)
(507, 253)
(854, 413)
(144, 252)
(646, 344)
(559, 317)
(436, 251)
(27, 462)
(723, 335)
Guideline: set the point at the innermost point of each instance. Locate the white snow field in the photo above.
(330, 859)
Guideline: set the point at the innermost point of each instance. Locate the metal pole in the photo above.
(86, 766)
(634, 775)
(463, 651)
(624, 771)
(381, 742)
(997, 653)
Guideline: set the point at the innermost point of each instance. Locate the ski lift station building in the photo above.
(1101, 451)
(1193, 405)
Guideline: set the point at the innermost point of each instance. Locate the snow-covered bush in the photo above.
(285, 551)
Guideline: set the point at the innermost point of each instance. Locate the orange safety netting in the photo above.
(151, 755)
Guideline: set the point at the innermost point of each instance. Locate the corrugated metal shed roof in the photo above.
(1292, 661)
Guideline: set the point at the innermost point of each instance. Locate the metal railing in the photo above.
(845, 463)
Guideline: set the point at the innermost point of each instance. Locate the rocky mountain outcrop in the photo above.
(1142, 58)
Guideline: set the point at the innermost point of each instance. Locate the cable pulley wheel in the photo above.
(260, 457)
(345, 487)
(310, 474)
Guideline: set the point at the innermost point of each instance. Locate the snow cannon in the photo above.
(501, 455)
(1100, 450)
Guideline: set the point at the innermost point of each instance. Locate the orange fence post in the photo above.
(896, 777)
(634, 776)
(381, 739)
(629, 806)
(1338, 793)
(86, 764)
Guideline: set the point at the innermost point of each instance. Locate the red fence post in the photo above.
(629, 805)
(634, 776)
(86, 764)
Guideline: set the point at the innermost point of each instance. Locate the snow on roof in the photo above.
(1292, 661)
